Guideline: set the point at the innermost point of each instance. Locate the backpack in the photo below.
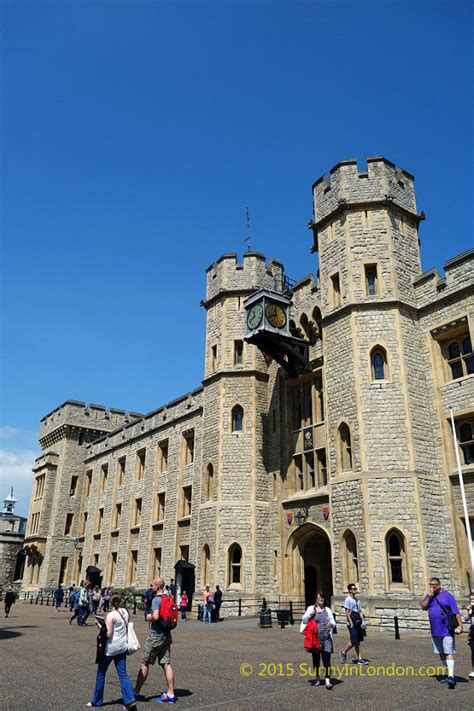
(168, 614)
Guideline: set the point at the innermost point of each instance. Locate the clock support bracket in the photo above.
(289, 352)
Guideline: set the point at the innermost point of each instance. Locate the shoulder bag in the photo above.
(133, 645)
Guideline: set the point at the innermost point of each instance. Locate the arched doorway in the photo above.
(309, 563)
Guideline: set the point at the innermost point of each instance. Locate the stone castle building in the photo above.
(321, 457)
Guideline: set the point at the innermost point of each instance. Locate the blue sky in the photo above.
(134, 135)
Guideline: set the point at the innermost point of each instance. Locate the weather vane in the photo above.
(247, 237)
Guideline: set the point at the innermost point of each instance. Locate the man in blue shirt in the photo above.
(441, 605)
(157, 646)
(355, 623)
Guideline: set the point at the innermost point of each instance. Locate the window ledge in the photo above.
(115, 532)
(184, 521)
(98, 534)
(399, 587)
(157, 524)
(134, 529)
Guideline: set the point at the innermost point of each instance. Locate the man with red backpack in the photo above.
(163, 618)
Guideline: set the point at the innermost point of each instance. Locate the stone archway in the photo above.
(309, 563)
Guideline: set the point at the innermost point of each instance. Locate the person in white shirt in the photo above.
(326, 624)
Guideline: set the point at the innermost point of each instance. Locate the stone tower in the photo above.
(53, 521)
(233, 530)
(380, 414)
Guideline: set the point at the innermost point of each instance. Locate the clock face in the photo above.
(255, 315)
(275, 315)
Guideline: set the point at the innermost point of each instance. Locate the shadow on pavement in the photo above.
(10, 633)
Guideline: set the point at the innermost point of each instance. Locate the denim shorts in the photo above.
(443, 645)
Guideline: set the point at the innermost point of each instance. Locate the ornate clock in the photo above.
(254, 316)
(275, 315)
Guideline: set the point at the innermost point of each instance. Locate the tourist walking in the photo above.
(207, 603)
(95, 595)
(172, 588)
(58, 598)
(355, 624)
(106, 601)
(183, 604)
(115, 650)
(74, 602)
(445, 622)
(217, 602)
(470, 621)
(324, 618)
(9, 600)
(84, 611)
(158, 645)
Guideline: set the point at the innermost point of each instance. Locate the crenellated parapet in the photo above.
(346, 186)
(227, 275)
(92, 420)
(458, 274)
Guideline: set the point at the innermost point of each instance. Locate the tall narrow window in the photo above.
(336, 290)
(396, 557)
(351, 558)
(156, 572)
(206, 565)
(238, 352)
(140, 466)
(184, 553)
(132, 570)
(121, 471)
(73, 487)
(235, 564)
(87, 483)
(322, 467)
(162, 456)
(62, 571)
(137, 514)
(345, 448)
(299, 474)
(117, 516)
(83, 524)
(371, 279)
(113, 567)
(187, 499)
(214, 357)
(188, 447)
(378, 359)
(100, 519)
(209, 482)
(69, 522)
(95, 560)
(237, 419)
(160, 506)
(104, 470)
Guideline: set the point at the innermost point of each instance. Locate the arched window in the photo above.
(351, 557)
(345, 448)
(317, 318)
(237, 419)
(206, 565)
(395, 544)
(235, 564)
(378, 363)
(209, 482)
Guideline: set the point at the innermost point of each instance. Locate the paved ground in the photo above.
(47, 664)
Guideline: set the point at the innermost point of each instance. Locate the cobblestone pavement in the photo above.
(47, 664)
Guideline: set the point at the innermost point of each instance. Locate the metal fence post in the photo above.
(134, 604)
(397, 629)
(292, 619)
(240, 607)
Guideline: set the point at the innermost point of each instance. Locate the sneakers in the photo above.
(471, 675)
(139, 697)
(165, 699)
(451, 682)
(364, 662)
(343, 656)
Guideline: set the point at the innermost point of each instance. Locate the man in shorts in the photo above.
(441, 605)
(157, 647)
(355, 623)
